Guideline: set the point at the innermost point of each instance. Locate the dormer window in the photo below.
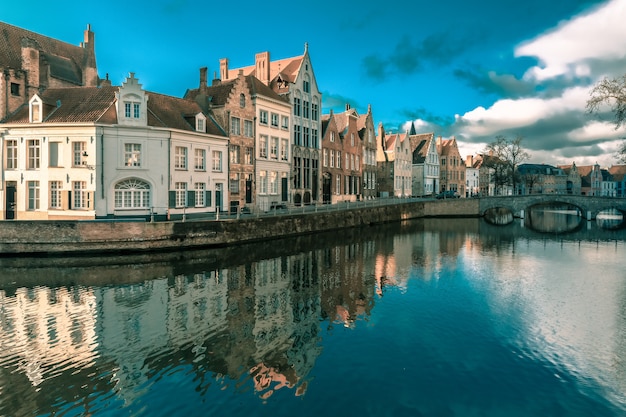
(35, 110)
(200, 123)
(131, 110)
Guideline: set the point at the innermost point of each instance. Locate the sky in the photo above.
(469, 70)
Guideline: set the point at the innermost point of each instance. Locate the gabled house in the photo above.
(342, 155)
(258, 122)
(295, 79)
(452, 166)
(367, 133)
(31, 62)
(574, 181)
(393, 158)
(111, 152)
(472, 178)
(425, 165)
(619, 177)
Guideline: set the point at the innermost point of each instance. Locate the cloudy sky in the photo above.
(472, 70)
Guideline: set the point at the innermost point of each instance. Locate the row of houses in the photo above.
(74, 146)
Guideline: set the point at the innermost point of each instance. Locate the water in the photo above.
(426, 318)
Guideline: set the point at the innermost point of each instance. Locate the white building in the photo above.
(110, 152)
(425, 165)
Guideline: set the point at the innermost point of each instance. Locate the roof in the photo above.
(618, 172)
(97, 105)
(65, 60)
(420, 145)
(287, 68)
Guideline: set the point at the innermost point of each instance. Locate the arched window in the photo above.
(242, 100)
(132, 194)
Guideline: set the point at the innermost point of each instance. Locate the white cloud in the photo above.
(598, 35)
(511, 114)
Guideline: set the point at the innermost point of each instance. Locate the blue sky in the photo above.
(472, 70)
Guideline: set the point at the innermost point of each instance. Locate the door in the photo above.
(11, 194)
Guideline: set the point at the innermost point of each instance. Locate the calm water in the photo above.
(428, 318)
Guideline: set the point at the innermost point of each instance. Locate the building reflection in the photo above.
(235, 319)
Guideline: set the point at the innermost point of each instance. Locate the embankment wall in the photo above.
(63, 237)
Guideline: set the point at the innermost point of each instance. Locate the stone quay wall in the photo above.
(99, 237)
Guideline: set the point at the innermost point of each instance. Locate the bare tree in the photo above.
(510, 154)
(611, 92)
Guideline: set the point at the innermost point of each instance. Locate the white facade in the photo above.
(273, 151)
(472, 182)
(403, 168)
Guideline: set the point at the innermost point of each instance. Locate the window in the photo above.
(314, 111)
(35, 111)
(314, 138)
(263, 182)
(297, 106)
(274, 120)
(200, 193)
(242, 100)
(284, 122)
(200, 124)
(55, 194)
(248, 128)
(132, 110)
(180, 157)
(338, 159)
(33, 195)
(347, 166)
(79, 194)
(11, 154)
(235, 154)
(181, 194)
(325, 162)
(249, 156)
(274, 148)
(305, 109)
(284, 149)
(332, 136)
(306, 86)
(15, 89)
(274, 182)
(263, 146)
(234, 183)
(34, 153)
(217, 161)
(200, 159)
(235, 126)
(78, 148)
(263, 117)
(132, 194)
(297, 135)
(338, 184)
(306, 136)
(352, 139)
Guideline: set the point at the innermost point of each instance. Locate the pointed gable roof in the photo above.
(420, 145)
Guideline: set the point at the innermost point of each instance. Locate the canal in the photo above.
(432, 317)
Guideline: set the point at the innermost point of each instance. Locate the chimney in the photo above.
(224, 69)
(89, 38)
(347, 106)
(203, 84)
(469, 161)
(262, 67)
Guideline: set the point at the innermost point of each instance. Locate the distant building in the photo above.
(541, 179)
(425, 164)
(394, 158)
(367, 132)
(472, 178)
(574, 181)
(619, 177)
(452, 167)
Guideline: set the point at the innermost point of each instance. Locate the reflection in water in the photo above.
(610, 219)
(553, 219)
(410, 311)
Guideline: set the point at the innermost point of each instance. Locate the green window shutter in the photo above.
(207, 199)
(191, 198)
(172, 199)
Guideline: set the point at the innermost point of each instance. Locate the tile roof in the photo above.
(287, 68)
(97, 105)
(66, 61)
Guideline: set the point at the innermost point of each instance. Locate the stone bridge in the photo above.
(518, 205)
